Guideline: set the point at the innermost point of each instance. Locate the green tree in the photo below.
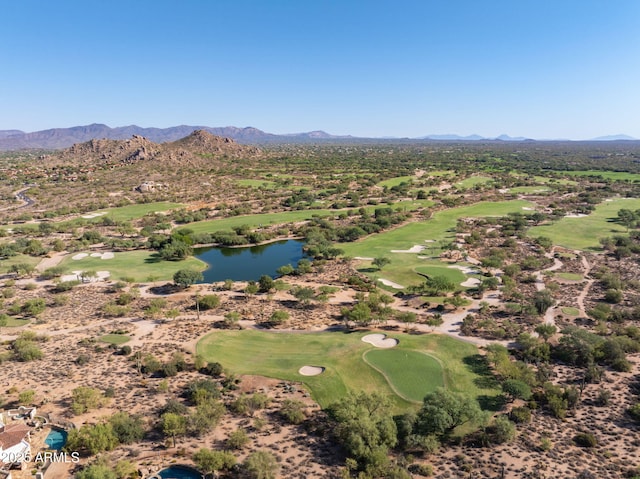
(516, 389)
(439, 284)
(237, 439)
(92, 439)
(173, 425)
(261, 465)
(364, 425)
(127, 428)
(98, 470)
(209, 461)
(546, 331)
(542, 300)
(265, 283)
(380, 262)
(443, 410)
(304, 294)
(186, 277)
(292, 411)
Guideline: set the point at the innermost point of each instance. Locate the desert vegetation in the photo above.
(461, 309)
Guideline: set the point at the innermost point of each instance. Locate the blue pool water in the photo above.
(56, 439)
(179, 472)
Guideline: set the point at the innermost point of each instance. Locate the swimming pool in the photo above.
(179, 472)
(56, 439)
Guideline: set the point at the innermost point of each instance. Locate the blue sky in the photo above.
(542, 69)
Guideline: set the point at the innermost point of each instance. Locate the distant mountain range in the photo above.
(58, 138)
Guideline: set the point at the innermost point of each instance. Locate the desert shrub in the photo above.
(520, 415)
(209, 301)
(585, 439)
(237, 439)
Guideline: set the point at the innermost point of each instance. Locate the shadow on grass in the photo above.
(478, 365)
(491, 403)
(153, 259)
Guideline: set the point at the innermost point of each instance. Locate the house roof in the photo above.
(13, 434)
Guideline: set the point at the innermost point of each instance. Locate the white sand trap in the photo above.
(527, 208)
(79, 256)
(363, 258)
(108, 255)
(310, 370)
(380, 340)
(503, 190)
(414, 249)
(94, 215)
(466, 269)
(103, 274)
(470, 282)
(579, 215)
(387, 282)
(96, 255)
(429, 241)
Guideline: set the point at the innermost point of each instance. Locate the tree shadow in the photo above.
(153, 259)
(478, 365)
(491, 403)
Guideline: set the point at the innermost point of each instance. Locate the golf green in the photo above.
(411, 374)
(428, 359)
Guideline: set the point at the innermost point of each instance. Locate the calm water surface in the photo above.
(245, 264)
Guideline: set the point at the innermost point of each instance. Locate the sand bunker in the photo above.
(470, 282)
(96, 255)
(578, 215)
(79, 256)
(388, 282)
(310, 370)
(414, 249)
(466, 269)
(107, 255)
(93, 215)
(527, 208)
(363, 258)
(380, 340)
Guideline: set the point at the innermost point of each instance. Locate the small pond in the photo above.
(56, 439)
(245, 264)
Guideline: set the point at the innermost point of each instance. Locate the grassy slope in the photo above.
(287, 217)
(412, 374)
(280, 355)
(5, 264)
(584, 233)
(139, 265)
(440, 227)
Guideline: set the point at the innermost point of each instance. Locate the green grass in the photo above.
(585, 233)
(440, 227)
(440, 269)
(608, 175)
(284, 217)
(474, 181)
(280, 355)
(130, 212)
(391, 182)
(6, 264)
(114, 338)
(570, 276)
(15, 322)
(529, 189)
(571, 311)
(141, 266)
(257, 183)
(411, 374)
